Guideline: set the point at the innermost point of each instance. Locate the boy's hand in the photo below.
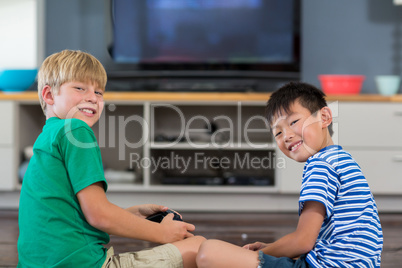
(176, 230)
(255, 246)
(131, 222)
(146, 210)
(150, 209)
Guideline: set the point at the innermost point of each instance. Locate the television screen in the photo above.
(242, 34)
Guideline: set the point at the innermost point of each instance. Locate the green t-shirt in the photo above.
(53, 229)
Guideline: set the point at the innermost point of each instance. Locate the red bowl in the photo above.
(334, 84)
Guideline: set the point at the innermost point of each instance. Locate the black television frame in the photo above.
(148, 75)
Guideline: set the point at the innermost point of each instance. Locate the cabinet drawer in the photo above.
(288, 174)
(369, 125)
(8, 169)
(7, 122)
(382, 169)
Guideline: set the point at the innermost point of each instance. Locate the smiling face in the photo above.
(68, 66)
(80, 100)
(300, 134)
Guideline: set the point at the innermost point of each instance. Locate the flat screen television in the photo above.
(207, 38)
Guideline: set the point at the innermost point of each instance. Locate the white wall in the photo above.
(18, 34)
(351, 37)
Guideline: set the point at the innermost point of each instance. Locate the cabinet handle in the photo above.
(398, 113)
(397, 158)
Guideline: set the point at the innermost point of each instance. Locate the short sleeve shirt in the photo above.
(53, 228)
(351, 234)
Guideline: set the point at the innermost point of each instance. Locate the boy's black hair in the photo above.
(307, 95)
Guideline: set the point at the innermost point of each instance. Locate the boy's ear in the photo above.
(47, 95)
(326, 116)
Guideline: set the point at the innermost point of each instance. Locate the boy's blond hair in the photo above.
(67, 66)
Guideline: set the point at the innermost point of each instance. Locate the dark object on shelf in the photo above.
(193, 180)
(249, 180)
(22, 170)
(158, 217)
(164, 138)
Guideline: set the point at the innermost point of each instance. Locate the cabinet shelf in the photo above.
(125, 187)
(191, 189)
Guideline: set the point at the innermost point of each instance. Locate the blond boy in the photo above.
(65, 218)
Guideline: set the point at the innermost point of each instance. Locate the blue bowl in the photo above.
(17, 80)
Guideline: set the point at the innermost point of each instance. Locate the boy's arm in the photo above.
(105, 216)
(303, 239)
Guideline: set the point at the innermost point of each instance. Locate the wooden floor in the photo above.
(236, 228)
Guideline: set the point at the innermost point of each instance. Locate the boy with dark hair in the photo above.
(338, 223)
(65, 217)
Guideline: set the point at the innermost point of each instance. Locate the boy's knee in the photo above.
(206, 253)
(199, 239)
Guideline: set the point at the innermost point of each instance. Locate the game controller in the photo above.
(158, 217)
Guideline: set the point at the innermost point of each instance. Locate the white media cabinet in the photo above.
(209, 151)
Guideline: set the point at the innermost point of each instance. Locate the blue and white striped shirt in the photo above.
(351, 234)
